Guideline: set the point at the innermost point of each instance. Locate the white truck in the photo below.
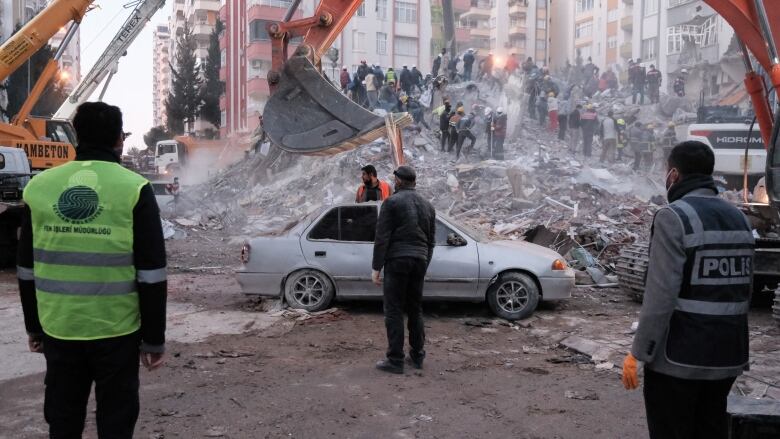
(728, 141)
(14, 176)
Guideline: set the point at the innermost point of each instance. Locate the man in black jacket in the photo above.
(403, 246)
(86, 341)
(444, 124)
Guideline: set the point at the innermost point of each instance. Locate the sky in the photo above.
(131, 87)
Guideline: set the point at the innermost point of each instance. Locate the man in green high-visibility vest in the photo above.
(92, 281)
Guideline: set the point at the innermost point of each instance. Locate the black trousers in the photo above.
(72, 367)
(587, 144)
(562, 118)
(462, 136)
(445, 137)
(453, 139)
(403, 290)
(498, 148)
(686, 409)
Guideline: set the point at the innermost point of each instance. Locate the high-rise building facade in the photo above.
(161, 73)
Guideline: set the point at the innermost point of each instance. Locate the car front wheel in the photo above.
(309, 290)
(513, 296)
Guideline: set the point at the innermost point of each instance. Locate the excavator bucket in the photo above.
(308, 115)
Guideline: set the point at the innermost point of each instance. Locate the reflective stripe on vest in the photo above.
(708, 328)
(82, 221)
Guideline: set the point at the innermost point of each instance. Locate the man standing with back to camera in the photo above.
(92, 279)
(403, 247)
(693, 327)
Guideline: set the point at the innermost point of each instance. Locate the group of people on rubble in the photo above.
(455, 126)
(488, 70)
(373, 88)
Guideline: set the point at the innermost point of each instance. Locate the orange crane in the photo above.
(47, 142)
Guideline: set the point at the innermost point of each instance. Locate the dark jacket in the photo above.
(499, 123)
(406, 229)
(444, 119)
(379, 77)
(362, 71)
(468, 60)
(417, 76)
(148, 255)
(344, 79)
(574, 119)
(405, 78)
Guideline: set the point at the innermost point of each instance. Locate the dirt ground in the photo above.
(238, 369)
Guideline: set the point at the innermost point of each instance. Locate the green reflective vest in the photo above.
(82, 224)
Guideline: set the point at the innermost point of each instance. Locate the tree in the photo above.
(155, 135)
(213, 87)
(21, 81)
(184, 101)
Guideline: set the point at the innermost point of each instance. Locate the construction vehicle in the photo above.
(306, 113)
(14, 176)
(172, 156)
(757, 29)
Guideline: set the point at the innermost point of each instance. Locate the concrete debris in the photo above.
(590, 396)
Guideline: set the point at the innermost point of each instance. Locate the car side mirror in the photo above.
(455, 240)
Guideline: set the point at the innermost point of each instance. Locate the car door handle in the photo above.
(320, 253)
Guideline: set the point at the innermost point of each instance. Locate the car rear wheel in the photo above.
(513, 296)
(309, 290)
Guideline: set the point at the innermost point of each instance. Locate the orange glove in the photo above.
(630, 377)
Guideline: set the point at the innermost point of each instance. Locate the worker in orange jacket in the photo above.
(372, 189)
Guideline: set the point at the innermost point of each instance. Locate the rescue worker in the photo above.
(552, 112)
(379, 77)
(437, 63)
(608, 133)
(668, 140)
(499, 124)
(363, 70)
(92, 281)
(452, 68)
(372, 189)
(635, 134)
(414, 108)
(390, 76)
(403, 247)
(542, 109)
(638, 75)
(679, 83)
(693, 327)
(511, 65)
(444, 124)
(653, 78)
(564, 108)
(489, 116)
(575, 127)
(417, 78)
(405, 79)
(589, 121)
(622, 139)
(468, 64)
(344, 79)
(454, 120)
(648, 144)
(486, 67)
(464, 132)
(388, 99)
(372, 93)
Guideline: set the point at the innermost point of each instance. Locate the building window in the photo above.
(361, 11)
(648, 49)
(275, 3)
(703, 35)
(358, 41)
(223, 57)
(493, 22)
(583, 30)
(673, 3)
(612, 15)
(612, 42)
(381, 43)
(541, 44)
(492, 43)
(405, 46)
(583, 6)
(651, 7)
(381, 10)
(541, 24)
(222, 118)
(257, 31)
(258, 68)
(406, 12)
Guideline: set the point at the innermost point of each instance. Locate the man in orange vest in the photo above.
(372, 188)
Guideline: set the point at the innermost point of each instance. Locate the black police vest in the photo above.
(708, 328)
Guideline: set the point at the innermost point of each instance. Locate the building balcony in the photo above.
(461, 5)
(518, 9)
(205, 5)
(261, 50)
(261, 11)
(517, 29)
(202, 29)
(626, 50)
(462, 34)
(478, 10)
(627, 23)
(483, 32)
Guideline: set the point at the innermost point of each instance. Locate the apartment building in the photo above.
(161, 73)
(602, 31)
(246, 58)
(390, 33)
(685, 34)
(70, 61)
(201, 16)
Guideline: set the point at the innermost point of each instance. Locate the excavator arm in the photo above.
(306, 113)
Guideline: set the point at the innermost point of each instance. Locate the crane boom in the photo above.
(37, 32)
(132, 27)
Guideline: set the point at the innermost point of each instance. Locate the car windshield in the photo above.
(472, 233)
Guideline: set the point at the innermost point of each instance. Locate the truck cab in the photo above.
(169, 156)
(14, 176)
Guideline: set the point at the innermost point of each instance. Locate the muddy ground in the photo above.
(237, 368)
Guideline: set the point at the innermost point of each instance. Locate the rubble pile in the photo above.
(581, 208)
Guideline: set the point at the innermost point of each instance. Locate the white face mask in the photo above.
(668, 174)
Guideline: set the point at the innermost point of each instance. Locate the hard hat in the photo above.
(500, 110)
(551, 94)
(588, 106)
(546, 77)
(404, 98)
(487, 111)
(671, 125)
(684, 71)
(344, 67)
(461, 110)
(414, 66)
(621, 122)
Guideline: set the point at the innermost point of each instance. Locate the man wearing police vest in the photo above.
(693, 333)
(92, 279)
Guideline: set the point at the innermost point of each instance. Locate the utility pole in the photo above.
(449, 27)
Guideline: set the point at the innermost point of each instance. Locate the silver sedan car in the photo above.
(327, 255)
